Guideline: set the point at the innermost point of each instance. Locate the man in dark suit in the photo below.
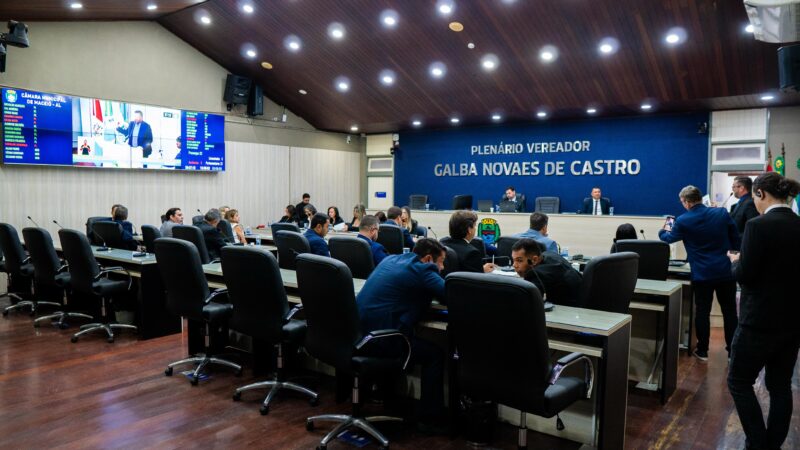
(596, 205)
(462, 230)
(555, 277)
(300, 212)
(315, 234)
(120, 216)
(393, 215)
(396, 295)
(744, 209)
(708, 234)
(211, 234)
(138, 134)
(368, 230)
(517, 199)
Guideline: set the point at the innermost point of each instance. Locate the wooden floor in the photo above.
(55, 394)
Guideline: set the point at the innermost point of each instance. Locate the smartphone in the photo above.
(670, 221)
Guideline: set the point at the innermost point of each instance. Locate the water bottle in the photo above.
(611, 211)
(248, 231)
(258, 239)
(565, 252)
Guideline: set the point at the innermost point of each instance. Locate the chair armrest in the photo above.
(64, 266)
(384, 334)
(105, 270)
(293, 311)
(214, 261)
(26, 260)
(215, 294)
(568, 360)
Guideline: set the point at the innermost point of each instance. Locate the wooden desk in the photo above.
(266, 235)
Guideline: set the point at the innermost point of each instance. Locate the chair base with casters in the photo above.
(61, 316)
(275, 386)
(205, 359)
(108, 327)
(33, 304)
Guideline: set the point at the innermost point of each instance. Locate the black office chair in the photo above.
(391, 237)
(283, 226)
(110, 233)
(497, 327)
(355, 253)
(548, 205)
(334, 337)
(188, 296)
(653, 257)
(197, 220)
(417, 201)
(261, 311)
(290, 244)
(478, 243)
(450, 261)
(195, 236)
(149, 236)
(50, 275)
(504, 244)
(88, 278)
(93, 238)
(421, 231)
(609, 282)
(19, 269)
(225, 228)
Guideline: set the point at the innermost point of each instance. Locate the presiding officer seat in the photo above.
(497, 327)
(355, 253)
(188, 296)
(261, 311)
(18, 267)
(391, 237)
(334, 337)
(547, 205)
(195, 236)
(149, 236)
(50, 274)
(653, 257)
(88, 278)
(609, 281)
(290, 244)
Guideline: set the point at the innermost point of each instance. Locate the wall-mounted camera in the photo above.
(395, 144)
(17, 36)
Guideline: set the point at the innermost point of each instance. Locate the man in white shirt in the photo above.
(174, 217)
(596, 205)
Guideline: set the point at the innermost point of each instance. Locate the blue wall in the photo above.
(664, 153)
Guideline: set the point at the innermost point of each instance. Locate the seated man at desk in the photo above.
(555, 277)
(393, 217)
(120, 215)
(463, 225)
(315, 234)
(596, 205)
(368, 231)
(174, 217)
(396, 295)
(214, 239)
(511, 196)
(538, 232)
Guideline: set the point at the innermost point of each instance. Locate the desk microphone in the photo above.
(34, 222)
(59, 225)
(725, 203)
(434, 233)
(643, 236)
(104, 247)
(199, 212)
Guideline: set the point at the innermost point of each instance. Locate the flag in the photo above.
(780, 161)
(768, 168)
(796, 205)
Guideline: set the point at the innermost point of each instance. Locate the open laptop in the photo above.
(508, 206)
(484, 205)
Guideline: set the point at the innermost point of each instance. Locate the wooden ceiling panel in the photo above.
(58, 10)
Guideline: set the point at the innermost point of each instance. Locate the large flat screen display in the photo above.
(52, 129)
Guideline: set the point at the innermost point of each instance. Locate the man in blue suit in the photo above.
(708, 234)
(538, 232)
(316, 235)
(596, 205)
(139, 134)
(396, 295)
(121, 217)
(368, 231)
(393, 215)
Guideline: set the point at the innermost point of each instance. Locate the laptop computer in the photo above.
(508, 206)
(484, 205)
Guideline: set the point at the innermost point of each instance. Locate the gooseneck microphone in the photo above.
(434, 233)
(643, 236)
(59, 225)
(725, 203)
(34, 222)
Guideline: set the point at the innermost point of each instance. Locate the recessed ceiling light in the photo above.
(548, 53)
(767, 97)
(672, 38)
(471, 45)
(206, 20)
(456, 26)
(646, 106)
(248, 8)
(302, 91)
(387, 77)
(591, 111)
(541, 114)
(416, 123)
(250, 53)
(76, 5)
(354, 128)
(437, 69)
(266, 65)
(497, 117)
(749, 28)
(152, 7)
(489, 62)
(608, 46)
(336, 31)
(675, 36)
(342, 84)
(293, 43)
(389, 18)
(445, 7)
(455, 120)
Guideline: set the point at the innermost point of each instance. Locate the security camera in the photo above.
(17, 35)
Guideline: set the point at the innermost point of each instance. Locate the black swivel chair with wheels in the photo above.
(197, 220)
(188, 296)
(261, 311)
(391, 237)
(110, 233)
(504, 244)
(497, 327)
(283, 226)
(478, 243)
(653, 257)
(451, 263)
(355, 253)
(334, 337)
(50, 275)
(417, 201)
(90, 234)
(547, 205)
(195, 236)
(609, 281)
(19, 268)
(88, 278)
(149, 236)
(290, 244)
(225, 228)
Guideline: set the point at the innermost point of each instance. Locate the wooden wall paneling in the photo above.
(331, 177)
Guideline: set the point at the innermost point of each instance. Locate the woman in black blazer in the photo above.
(768, 335)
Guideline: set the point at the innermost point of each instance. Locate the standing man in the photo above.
(538, 232)
(708, 234)
(596, 205)
(512, 196)
(301, 215)
(174, 217)
(396, 295)
(368, 231)
(393, 215)
(214, 239)
(556, 279)
(315, 234)
(138, 134)
(744, 209)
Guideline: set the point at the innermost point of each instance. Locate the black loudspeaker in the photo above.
(255, 102)
(237, 90)
(789, 68)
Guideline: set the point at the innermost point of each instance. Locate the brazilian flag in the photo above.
(780, 165)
